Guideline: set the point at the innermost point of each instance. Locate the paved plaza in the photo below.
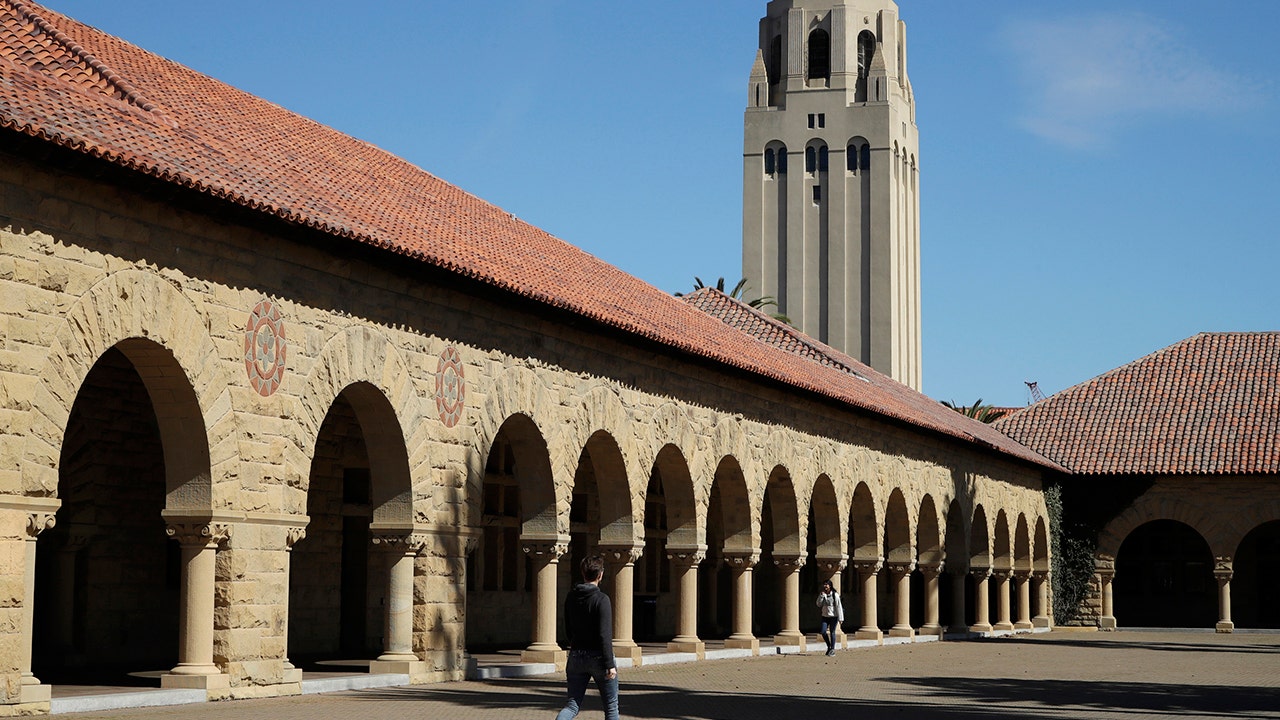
(1063, 674)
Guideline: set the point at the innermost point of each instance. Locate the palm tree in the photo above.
(977, 411)
(737, 292)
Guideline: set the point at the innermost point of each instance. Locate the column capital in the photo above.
(1021, 575)
(831, 566)
(409, 543)
(198, 533)
(899, 569)
(625, 554)
(544, 550)
(1106, 573)
(1041, 575)
(868, 567)
(931, 570)
(292, 535)
(742, 559)
(1002, 573)
(38, 522)
(981, 573)
(790, 562)
(1104, 562)
(688, 556)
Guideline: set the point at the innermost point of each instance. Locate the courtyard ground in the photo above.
(1064, 674)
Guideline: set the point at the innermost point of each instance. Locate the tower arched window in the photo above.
(782, 160)
(819, 55)
(866, 158)
(866, 51)
(811, 159)
(774, 66)
(823, 158)
(770, 166)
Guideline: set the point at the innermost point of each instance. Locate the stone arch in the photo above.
(1021, 544)
(684, 528)
(928, 534)
(1001, 554)
(864, 526)
(1244, 521)
(979, 540)
(617, 510)
(601, 409)
(517, 393)
(824, 507)
(364, 366)
(1040, 561)
(163, 334)
(741, 526)
(785, 514)
(542, 513)
(1144, 510)
(897, 530)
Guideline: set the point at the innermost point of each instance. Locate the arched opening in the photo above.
(729, 529)
(866, 52)
(1255, 581)
(779, 538)
(864, 547)
(517, 496)
(1164, 578)
(823, 546)
(108, 579)
(898, 553)
(979, 561)
(774, 65)
(359, 484)
(669, 522)
(819, 55)
(600, 512)
(951, 586)
(928, 555)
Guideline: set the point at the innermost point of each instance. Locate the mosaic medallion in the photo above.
(264, 348)
(451, 387)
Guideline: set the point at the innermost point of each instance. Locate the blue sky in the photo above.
(1098, 179)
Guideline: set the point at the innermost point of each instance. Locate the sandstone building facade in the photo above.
(269, 394)
(831, 196)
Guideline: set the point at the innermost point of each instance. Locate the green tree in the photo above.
(977, 411)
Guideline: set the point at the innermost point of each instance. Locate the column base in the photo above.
(1005, 626)
(869, 634)
(1023, 625)
(1225, 626)
(931, 630)
(688, 645)
(789, 640)
(397, 667)
(628, 649)
(219, 681)
(1106, 622)
(743, 643)
(981, 627)
(539, 655)
(902, 631)
(291, 675)
(1041, 621)
(34, 693)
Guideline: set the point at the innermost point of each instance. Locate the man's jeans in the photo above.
(582, 667)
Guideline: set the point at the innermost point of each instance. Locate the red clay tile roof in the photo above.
(77, 87)
(851, 377)
(1209, 405)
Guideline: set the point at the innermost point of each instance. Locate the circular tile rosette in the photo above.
(451, 387)
(264, 348)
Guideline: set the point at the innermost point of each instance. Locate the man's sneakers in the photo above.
(831, 652)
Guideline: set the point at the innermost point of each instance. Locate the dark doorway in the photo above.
(1255, 583)
(1164, 578)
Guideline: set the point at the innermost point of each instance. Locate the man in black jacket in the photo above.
(588, 621)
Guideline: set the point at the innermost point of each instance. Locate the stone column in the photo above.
(546, 556)
(790, 635)
(981, 601)
(397, 651)
(199, 540)
(901, 574)
(867, 571)
(958, 599)
(830, 569)
(1004, 616)
(932, 623)
(742, 564)
(622, 564)
(1222, 572)
(686, 561)
(1042, 583)
(31, 690)
(1106, 571)
(1022, 581)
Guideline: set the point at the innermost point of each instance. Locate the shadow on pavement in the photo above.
(1145, 644)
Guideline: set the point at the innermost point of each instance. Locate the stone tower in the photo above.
(831, 211)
